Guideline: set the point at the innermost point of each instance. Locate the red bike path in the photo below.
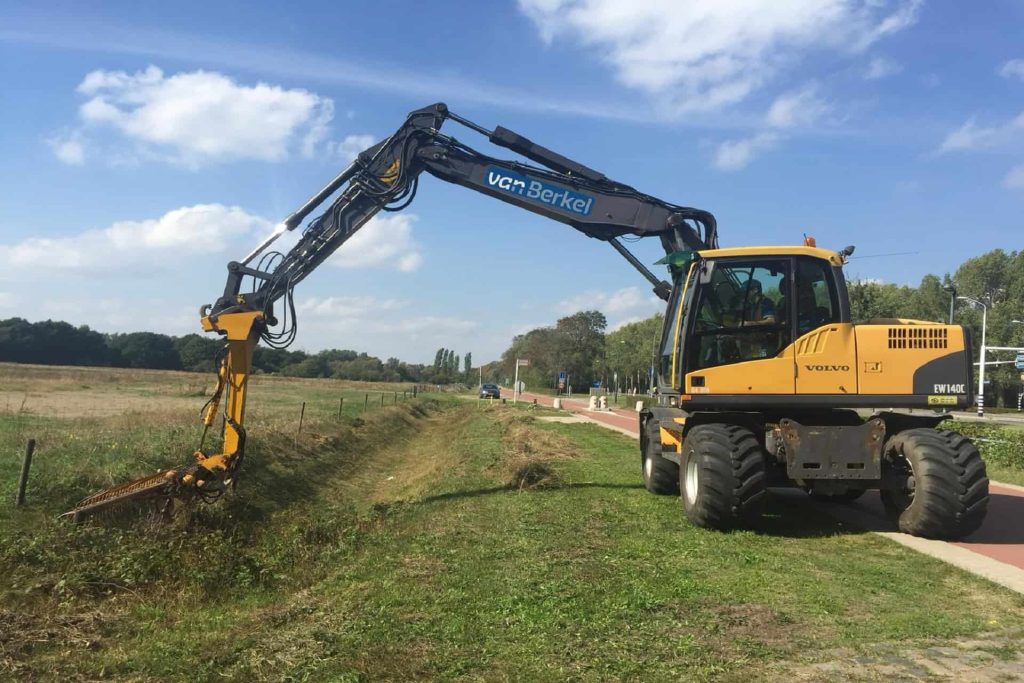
(995, 551)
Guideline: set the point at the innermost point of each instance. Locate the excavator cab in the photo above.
(765, 381)
(734, 307)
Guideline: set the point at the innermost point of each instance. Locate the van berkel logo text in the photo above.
(553, 195)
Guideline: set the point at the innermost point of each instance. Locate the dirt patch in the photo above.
(739, 630)
(22, 636)
(996, 657)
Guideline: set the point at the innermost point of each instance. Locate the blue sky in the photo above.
(147, 144)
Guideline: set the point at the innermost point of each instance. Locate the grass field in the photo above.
(440, 539)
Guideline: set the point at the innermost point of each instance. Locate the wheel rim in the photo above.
(691, 480)
(904, 495)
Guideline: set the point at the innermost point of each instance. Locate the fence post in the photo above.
(302, 414)
(414, 390)
(366, 402)
(382, 399)
(395, 402)
(26, 464)
(341, 406)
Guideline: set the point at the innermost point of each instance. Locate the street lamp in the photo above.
(981, 364)
(952, 299)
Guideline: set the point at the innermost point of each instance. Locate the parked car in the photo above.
(490, 391)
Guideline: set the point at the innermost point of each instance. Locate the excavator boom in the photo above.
(385, 177)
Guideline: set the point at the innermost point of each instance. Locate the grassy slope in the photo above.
(407, 556)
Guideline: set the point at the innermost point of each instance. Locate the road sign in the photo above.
(561, 375)
(524, 362)
(1019, 362)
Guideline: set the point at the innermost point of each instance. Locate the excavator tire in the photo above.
(722, 477)
(661, 476)
(945, 494)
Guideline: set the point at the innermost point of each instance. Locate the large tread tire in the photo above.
(722, 477)
(947, 493)
(661, 476)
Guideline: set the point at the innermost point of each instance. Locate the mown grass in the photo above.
(404, 544)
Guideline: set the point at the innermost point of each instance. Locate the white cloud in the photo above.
(129, 245)
(371, 323)
(1014, 180)
(702, 56)
(1013, 69)
(880, 68)
(628, 302)
(351, 146)
(348, 307)
(794, 109)
(7, 300)
(971, 137)
(384, 242)
(797, 108)
(733, 155)
(200, 117)
(68, 147)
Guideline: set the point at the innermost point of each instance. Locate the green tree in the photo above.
(631, 350)
(582, 350)
(198, 353)
(144, 350)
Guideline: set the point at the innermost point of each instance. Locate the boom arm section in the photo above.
(385, 178)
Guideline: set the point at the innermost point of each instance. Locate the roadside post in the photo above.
(981, 364)
(26, 464)
(1019, 364)
(524, 362)
(302, 415)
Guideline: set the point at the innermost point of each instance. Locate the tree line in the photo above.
(580, 345)
(51, 342)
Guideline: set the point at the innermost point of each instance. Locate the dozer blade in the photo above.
(162, 484)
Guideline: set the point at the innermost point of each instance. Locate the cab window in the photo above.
(740, 314)
(816, 299)
(668, 336)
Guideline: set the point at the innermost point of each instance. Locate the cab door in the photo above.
(826, 349)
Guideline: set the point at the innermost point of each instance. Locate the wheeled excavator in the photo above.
(762, 378)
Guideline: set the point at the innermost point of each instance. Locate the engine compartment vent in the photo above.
(918, 337)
